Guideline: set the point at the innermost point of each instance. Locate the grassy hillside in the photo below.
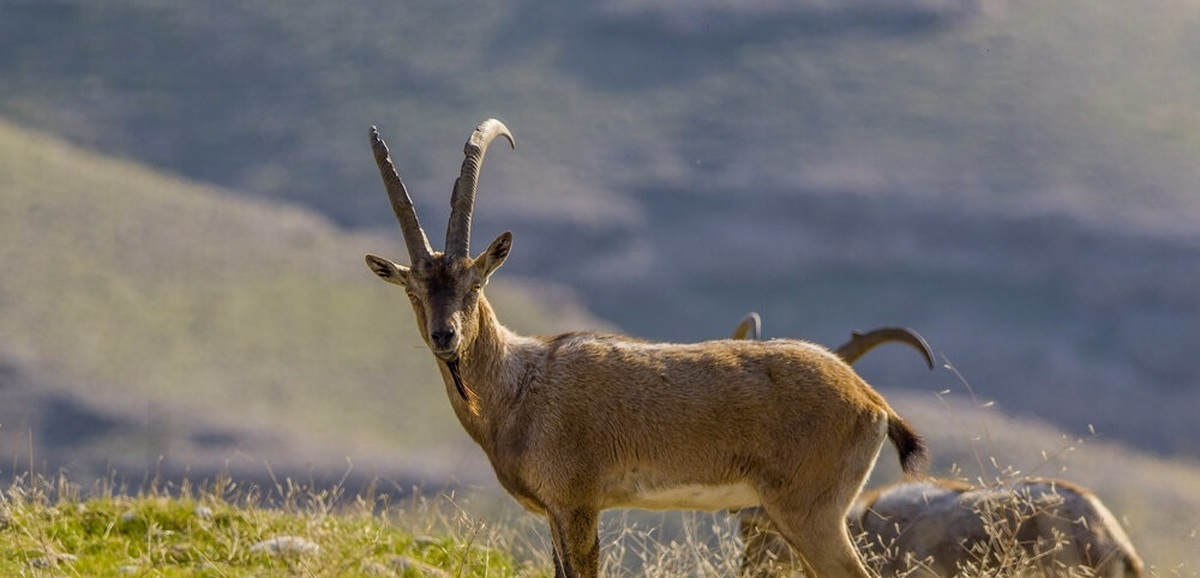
(209, 321)
(1015, 180)
(222, 528)
(52, 528)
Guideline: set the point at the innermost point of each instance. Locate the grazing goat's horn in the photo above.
(750, 325)
(861, 343)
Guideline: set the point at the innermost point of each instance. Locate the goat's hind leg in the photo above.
(811, 512)
(821, 538)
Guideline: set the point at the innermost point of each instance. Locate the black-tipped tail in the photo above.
(914, 456)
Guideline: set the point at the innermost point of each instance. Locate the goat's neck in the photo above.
(490, 370)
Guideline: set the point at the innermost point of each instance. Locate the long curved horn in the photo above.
(458, 232)
(860, 343)
(414, 236)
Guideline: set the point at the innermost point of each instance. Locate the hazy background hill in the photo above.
(1014, 179)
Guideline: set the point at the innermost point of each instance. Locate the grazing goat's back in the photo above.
(950, 526)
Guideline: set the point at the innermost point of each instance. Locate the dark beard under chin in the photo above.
(458, 383)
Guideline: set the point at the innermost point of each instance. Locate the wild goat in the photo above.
(766, 554)
(1034, 526)
(582, 422)
(943, 528)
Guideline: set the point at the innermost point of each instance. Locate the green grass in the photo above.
(55, 529)
(210, 529)
(221, 529)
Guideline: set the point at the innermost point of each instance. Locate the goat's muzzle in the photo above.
(444, 343)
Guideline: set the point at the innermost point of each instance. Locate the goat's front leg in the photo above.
(576, 542)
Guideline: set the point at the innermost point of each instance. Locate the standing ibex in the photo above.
(581, 422)
(943, 528)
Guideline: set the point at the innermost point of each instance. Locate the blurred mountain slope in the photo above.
(1017, 180)
(1027, 107)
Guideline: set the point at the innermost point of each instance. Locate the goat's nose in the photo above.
(442, 338)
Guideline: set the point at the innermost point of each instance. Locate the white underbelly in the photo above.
(687, 497)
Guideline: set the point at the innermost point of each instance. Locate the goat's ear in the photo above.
(387, 270)
(494, 256)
